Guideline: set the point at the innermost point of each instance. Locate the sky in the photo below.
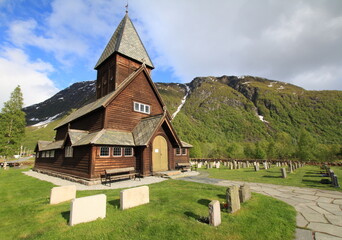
(47, 45)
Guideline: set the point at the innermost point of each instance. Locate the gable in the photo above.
(120, 114)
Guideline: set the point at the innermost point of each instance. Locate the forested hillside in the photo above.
(229, 116)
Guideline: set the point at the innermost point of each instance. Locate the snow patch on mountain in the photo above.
(182, 103)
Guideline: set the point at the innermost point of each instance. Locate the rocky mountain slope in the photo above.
(73, 97)
(223, 110)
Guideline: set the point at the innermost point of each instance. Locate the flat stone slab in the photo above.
(62, 194)
(322, 236)
(302, 234)
(314, 217)
(325, 200)
(326, 228)
(333, 219)
(134, 197)
(338, 201)
(300, 221)
(307, 197)
(333, 208)
(87, 209)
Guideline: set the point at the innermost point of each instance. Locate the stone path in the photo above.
(319, 212)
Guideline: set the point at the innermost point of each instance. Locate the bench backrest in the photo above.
(183, 164)
(119, 170)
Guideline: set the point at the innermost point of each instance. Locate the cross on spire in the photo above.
(126, 7)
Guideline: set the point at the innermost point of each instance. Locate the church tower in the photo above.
(123, 54)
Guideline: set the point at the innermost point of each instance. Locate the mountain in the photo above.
(229, 115)
(73, 97)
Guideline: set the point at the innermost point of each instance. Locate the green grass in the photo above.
(308, 176)
(172, 213)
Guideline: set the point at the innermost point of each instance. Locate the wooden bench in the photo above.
(183, 166)
(118, 173)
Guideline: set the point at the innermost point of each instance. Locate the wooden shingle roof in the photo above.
(144, 130)
(126, 41)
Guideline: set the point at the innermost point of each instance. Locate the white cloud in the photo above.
(71, 31)
(281, 40)
(17, 69)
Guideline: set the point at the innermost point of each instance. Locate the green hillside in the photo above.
(220, 118)
(44, 132)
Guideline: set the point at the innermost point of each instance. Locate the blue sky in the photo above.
(46, 45)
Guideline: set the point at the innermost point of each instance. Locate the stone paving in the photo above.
(319, 212)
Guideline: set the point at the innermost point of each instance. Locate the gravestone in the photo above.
(290, 167)
(256, 168)
(134, 197)
(245, 193)
(231, 166)
(62, 194)
(214, 213)
(87, 209)
(283, 172)
(211, 164)
(199, 165)
(5, 166)
(335, 181)
(233, 199)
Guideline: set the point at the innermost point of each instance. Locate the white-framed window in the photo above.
(183, 151)
(68, 151)
(47, 154)
(140, 107)
(52, 153)
(117, 151)
(43, 154)
(104, 151)
(178, 151)
(128, 151)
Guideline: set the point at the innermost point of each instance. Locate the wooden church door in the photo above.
(159, 154)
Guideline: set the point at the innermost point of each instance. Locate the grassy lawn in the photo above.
(308, 176)
(173, 213)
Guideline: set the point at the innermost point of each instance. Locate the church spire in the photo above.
(127, 42)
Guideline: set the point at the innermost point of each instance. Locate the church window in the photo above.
(143, 108)
(104, 151)
(128, 152)
(117, 152)
(68, 151)
(178, 151)
(183, 151)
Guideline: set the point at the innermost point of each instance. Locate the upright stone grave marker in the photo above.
(245, 193)
(134, 197)
(233, 199)
(256, 168)
(283, 172)
(335, 181)
(87, 209)
(214, 213)
(62, 194)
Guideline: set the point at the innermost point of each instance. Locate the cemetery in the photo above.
(162, 213)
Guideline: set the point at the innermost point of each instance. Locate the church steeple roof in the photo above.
(126, 41)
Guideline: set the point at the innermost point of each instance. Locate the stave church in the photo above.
(128, 125)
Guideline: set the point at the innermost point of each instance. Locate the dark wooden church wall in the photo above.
(103, 163)
(61, 132)
(181, 158)
(105, 77)
(124, 68)
(78, 165)
(91, 122)
(120, 114)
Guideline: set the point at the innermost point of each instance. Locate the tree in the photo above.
(306, 146)
(12, 124)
